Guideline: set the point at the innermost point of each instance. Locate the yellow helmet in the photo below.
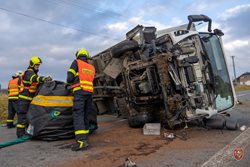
(82, 52)
(35, 60)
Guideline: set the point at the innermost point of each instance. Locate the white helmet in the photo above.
(19, 73)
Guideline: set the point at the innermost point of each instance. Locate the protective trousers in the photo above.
(12, 110)
(23, 107)
(81, 108)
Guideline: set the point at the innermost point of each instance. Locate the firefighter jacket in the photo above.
(13, 88)
(29, 83)
(81, 75)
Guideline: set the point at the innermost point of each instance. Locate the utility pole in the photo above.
(234, 68)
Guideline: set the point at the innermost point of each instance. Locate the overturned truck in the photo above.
(173, 76)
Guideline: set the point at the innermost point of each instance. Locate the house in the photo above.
(243, 79)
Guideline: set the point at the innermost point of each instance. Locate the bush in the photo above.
(3, 107)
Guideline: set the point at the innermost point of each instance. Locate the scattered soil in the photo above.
(113, 146)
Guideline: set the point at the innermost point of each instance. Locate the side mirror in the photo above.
(218, 32)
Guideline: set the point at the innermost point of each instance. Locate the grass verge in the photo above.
(3, 107)
(241, 88)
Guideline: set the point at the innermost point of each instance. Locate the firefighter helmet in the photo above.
(35, 60)
(19, 73)
(83, 52)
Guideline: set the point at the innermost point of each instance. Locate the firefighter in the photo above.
(13, 92)
(30, 80)
(80, 77)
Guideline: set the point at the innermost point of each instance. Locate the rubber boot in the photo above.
(80, 145)
(10, 125)
(20, 132)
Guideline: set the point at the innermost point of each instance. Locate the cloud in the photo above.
(232, 12)
(237, 44)
(119, 26)
(5, 25)
(233, 21)
(237, 19)
(198, 7)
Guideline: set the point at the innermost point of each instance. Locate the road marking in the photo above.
(225, 156)
(243, 94)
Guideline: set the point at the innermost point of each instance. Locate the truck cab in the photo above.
(170, 76)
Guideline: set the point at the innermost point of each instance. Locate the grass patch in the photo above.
(3, 107)
(241, 88)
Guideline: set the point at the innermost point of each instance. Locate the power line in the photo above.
(75, 4)
(54, 23)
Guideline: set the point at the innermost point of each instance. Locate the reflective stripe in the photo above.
(13, 97)
(25, 97)
(20, 126)
(9, 120)
(32, 89)
(88, 88)
(72, 71)
(31, 78)
(37, 79)
(85, 70)
(26, 82)
(13, 93)
(49, 101)
(81, 132)
(14, 90)
(77, 88)
(81, 143)
(85, 85)
(75, 85)
(87, 82)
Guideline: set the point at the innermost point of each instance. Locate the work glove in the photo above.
(67, 86)
(48, 78)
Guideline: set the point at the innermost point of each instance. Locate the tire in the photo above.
(215, 123)
(124, 46)
(232, 124)
(138, 121)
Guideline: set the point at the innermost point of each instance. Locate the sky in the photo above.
(55, 29)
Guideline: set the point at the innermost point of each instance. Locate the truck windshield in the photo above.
(224, 94)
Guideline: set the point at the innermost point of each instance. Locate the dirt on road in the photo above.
(112, 147)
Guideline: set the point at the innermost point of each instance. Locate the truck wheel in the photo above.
(139, 120)
(215, 123)
(232, 124)
(124, 46)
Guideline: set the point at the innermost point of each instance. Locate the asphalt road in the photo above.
(200, 146)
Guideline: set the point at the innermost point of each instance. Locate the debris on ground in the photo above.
(152, 129)
(243, 127)
(129, 163)
(170, 136)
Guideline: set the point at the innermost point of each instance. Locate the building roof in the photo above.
(244, 74)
